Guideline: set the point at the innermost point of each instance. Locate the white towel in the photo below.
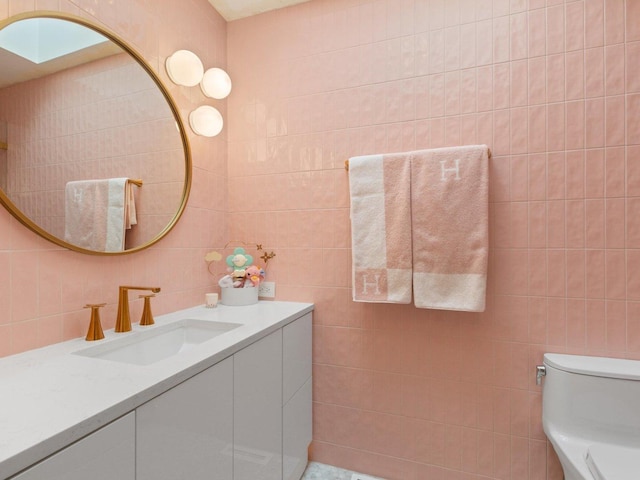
(380, 226)
(97, 213)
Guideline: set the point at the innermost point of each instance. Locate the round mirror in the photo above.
(93, 153)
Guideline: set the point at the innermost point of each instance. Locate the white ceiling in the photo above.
(235, 9)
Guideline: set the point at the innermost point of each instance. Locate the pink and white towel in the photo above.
(98, 212)
(419, 222)
(450, 227)
(381, 228)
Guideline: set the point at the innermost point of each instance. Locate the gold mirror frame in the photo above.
(26, 221)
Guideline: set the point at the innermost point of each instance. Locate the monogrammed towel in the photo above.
(381, 228)
(450, 227)
(98, 212)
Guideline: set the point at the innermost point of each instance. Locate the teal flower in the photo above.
(239, 259)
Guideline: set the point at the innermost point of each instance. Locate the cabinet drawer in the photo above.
(107, 454)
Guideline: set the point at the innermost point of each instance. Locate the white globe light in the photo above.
(216, 83)
(206, 121)
(184, 68)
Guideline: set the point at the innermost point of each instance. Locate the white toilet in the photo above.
(591, 414)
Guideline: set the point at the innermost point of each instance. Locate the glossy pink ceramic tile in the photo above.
(575, 335)
(537, 32)
(575, 26)
(555, 78)
(615, 68)
(633, 278)
(555, 29)
(594, 72)
(558, 316)
(616, 318)
(555, 127)
(614, 15)
(594, 23)
(632, 65)
(575, 125)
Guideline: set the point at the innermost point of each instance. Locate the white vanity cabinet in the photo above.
(187, 432)
(106, 454)
(257, 410)
(239, 414)
(272, 405)
(296, 401)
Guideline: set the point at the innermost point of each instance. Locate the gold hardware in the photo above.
(123, 320)
(147, 316)
(95, 328)
(135, 182)
(266, 257)
(346, 162)
(4, 146)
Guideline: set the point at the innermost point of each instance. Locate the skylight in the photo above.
(42, 39)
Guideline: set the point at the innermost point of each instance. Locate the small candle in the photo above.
(211, 300)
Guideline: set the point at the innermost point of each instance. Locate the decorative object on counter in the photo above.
(211, 300)
(147, 316)
(185, 68)
(241, 274)
(95, 327)
(123, 320)
(266, 256)
(238, 297)
(254, 275)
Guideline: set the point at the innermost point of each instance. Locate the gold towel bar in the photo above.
(4, 146)
(346, 162)
(136, 182)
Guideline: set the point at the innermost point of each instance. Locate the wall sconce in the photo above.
(185, 68)
(206, 121)
(216, 83)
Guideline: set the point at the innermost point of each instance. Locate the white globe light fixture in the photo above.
(216, 83)
(206, 121)
(184, 68)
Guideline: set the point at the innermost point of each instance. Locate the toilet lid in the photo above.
(613, 462)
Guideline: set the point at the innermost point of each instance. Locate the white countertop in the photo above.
(50, 398)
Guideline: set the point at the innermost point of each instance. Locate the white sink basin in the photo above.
(159, 342)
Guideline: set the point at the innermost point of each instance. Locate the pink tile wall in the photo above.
(42, 287)
(552, 87)
(104, 119)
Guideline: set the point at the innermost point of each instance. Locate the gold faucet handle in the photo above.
(147, 316)
(95, 327)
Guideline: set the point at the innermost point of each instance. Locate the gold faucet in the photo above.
(123, 320)
(95, 328)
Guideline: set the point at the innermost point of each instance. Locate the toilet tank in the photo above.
(592, 399)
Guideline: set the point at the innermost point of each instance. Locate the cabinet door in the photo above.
(257, 410)
(107, 454)
(296, 356)
(187, 432)
(297, 432)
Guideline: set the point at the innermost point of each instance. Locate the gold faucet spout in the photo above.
(123, 320)
(151, 289)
